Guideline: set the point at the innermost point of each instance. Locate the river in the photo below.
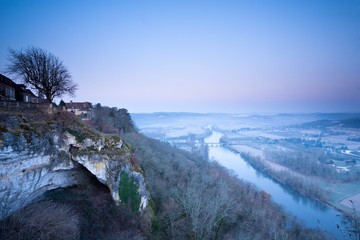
(306, 209)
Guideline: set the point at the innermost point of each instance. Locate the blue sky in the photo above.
(198, 56)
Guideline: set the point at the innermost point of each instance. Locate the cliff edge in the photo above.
(41, 151)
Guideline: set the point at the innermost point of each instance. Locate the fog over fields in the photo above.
(319, 146)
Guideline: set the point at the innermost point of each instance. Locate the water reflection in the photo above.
(310, 211)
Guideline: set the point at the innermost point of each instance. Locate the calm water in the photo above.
(304, 208)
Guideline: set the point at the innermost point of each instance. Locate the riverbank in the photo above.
(306, 210)
(284, 177)
(311, 188)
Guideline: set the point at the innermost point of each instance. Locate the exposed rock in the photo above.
(31, 164)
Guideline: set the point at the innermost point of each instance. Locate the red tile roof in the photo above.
(79, 105)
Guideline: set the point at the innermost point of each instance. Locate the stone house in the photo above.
(81, 109)
(25, 95)
(7, 88)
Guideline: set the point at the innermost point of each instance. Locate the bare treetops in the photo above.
(43, 71)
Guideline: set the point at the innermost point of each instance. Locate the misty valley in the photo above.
(177, 120)
(116, 175)
(308, 163)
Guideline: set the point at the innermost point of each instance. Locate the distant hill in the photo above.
(346, 123)
(293, 120)
(351, 123)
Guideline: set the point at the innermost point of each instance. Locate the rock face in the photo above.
(31, 165)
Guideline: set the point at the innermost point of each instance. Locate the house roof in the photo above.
(7, 81)
(18, 87)
(30, 92)
(79, 105)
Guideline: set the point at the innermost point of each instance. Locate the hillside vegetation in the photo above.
(191, 197)
(198, 199)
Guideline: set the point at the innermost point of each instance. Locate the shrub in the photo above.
(43, 220)
(128, 191)
(80, 136)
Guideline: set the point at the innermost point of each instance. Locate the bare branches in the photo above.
(42, 71)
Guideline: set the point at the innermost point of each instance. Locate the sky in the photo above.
(243, 56)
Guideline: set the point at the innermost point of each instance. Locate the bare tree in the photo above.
(206, 203)
(43, 71)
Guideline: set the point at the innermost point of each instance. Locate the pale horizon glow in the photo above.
(198, 56)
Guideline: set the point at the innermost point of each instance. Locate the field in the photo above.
(348, 202)
(343, 192)
(325, 147)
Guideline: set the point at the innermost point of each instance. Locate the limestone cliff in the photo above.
(40, 152)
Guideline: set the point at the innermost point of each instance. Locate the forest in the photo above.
(198, 199)
(192, 197)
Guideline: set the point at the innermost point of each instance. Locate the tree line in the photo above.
(307, 187)
(313, 164)
(194, 198)
(112, 120)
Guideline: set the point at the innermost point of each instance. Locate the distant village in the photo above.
(11, 92)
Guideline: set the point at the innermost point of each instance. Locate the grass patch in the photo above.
(341, 191)
(79, 136)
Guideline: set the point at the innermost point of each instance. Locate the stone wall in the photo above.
(13, 105)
